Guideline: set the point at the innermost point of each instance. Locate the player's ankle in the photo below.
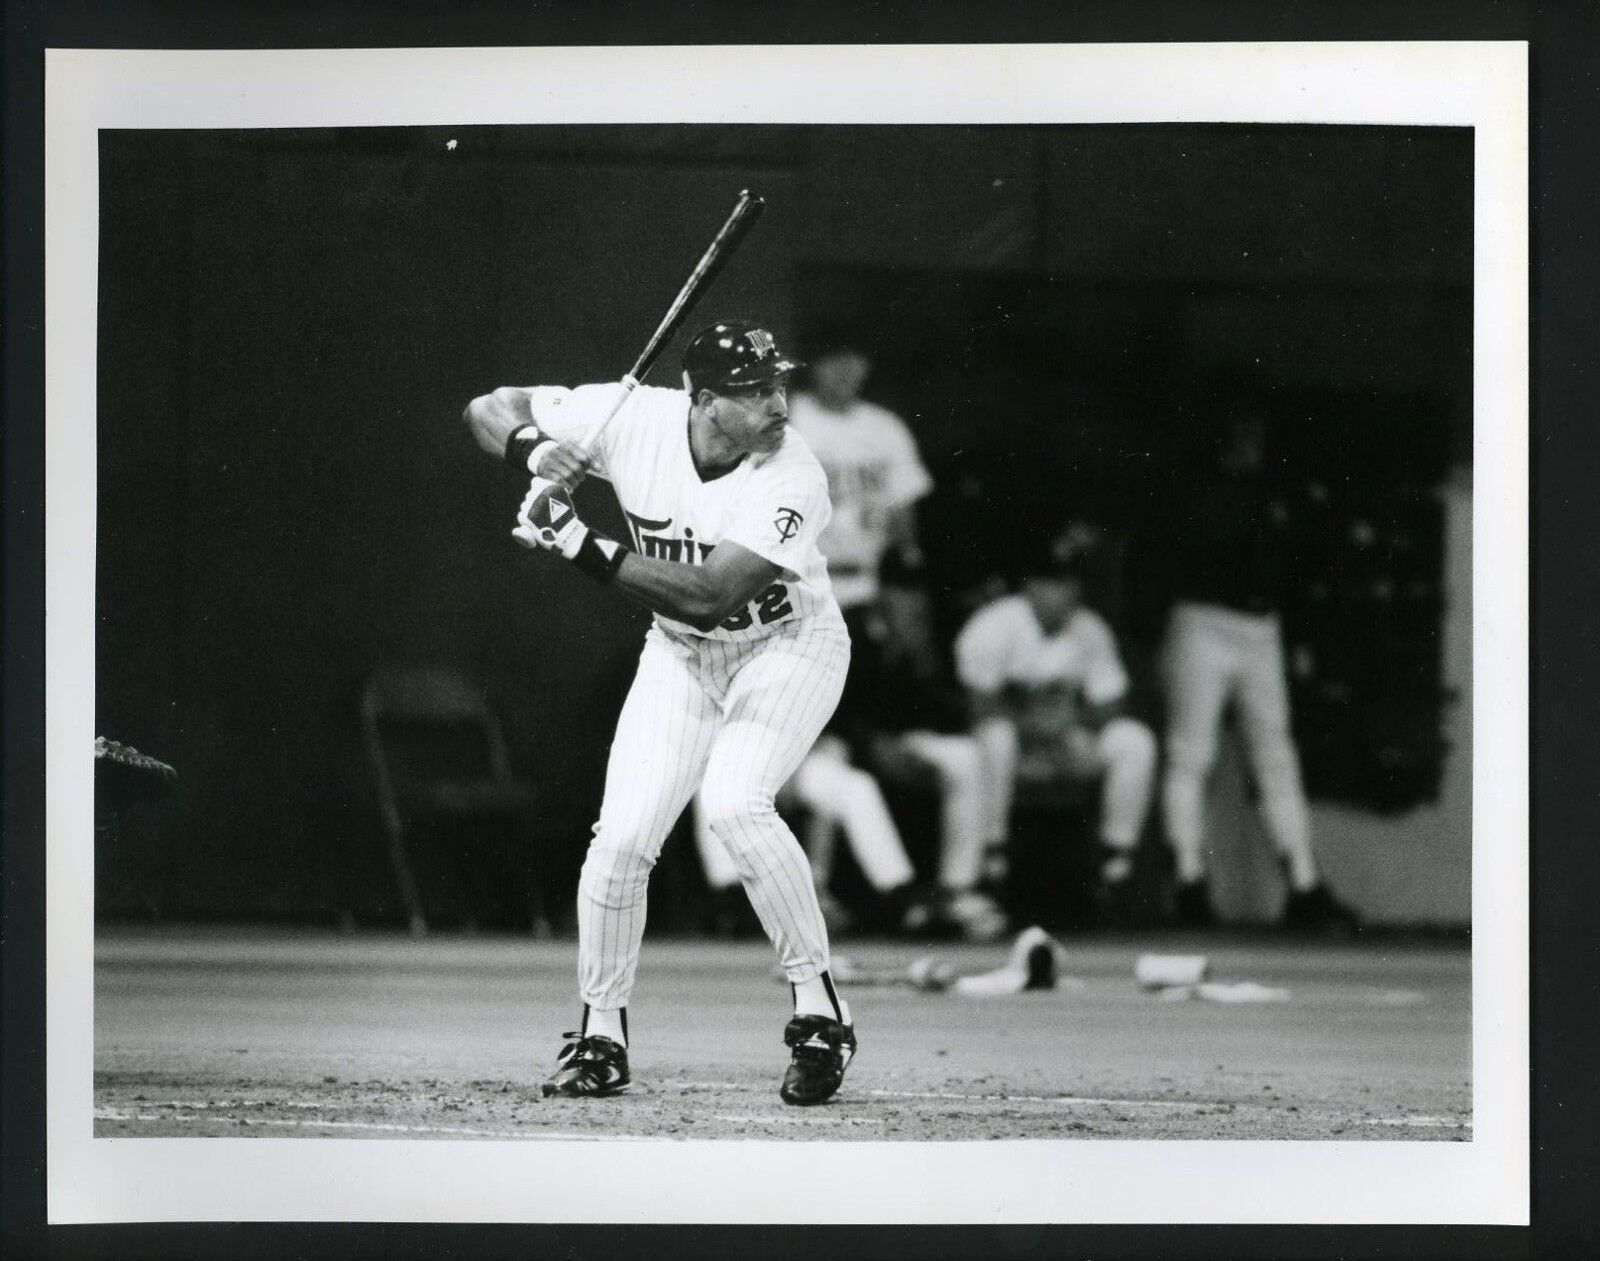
(1116, 864)
(818, 997)
(613, 1024)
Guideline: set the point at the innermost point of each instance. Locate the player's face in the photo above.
(837, 377)
(905, 616)
(753, 420)
(1054, 599)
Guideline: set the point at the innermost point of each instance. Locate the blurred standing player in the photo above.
(742, 666)
(1047, 686)
(1229, 559)
(875, 475)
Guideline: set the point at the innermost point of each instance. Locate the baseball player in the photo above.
(875, 475)
(740, 669)
(1231, 565)
(1047, 686)
(908, 719)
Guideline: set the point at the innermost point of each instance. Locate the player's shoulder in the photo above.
(1002, 616)
(652, 404)
(547, 395)
(878, 416)
(1089, 625)
(861, 419)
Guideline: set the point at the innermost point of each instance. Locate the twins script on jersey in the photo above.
(774, 504)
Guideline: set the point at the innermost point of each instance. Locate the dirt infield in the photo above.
(281, 1033)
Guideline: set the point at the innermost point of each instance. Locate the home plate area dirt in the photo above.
(273, 1033)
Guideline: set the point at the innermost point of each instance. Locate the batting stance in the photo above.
(742, 666)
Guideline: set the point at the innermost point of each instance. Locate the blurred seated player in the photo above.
(908, 720)
(1047, 685)
(1230, 560)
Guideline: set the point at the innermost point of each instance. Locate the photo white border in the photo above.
(1484, 1181)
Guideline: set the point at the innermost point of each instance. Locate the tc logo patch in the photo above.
(761, 342)
(787, 521)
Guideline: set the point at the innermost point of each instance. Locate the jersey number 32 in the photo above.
(770, 606)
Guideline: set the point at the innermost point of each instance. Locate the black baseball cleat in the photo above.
(589, 1065)
(1119, 903)
(1192, 904)
(1041, 967)
(821, 1049)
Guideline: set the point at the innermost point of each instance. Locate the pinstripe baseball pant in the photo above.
(734, 720)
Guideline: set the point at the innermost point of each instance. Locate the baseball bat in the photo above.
(740, 220)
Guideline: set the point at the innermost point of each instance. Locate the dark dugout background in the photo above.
(291, 323)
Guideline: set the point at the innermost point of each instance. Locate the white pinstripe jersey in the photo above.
(775, 504)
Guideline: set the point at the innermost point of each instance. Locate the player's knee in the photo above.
(734, 814)
(860, 787)
(1274, 759)
(961, 764)
(997, 739)
(1126, 740)
(830, 747)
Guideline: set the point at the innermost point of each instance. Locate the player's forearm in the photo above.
(685, 593)
(700, 595)
(900, 532)
(492, 418)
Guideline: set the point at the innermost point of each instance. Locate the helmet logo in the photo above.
(761, 342)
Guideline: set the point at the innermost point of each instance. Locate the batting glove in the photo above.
(548, 520)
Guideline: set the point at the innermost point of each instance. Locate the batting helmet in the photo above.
(733, 355)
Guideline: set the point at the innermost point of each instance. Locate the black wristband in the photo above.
(599, 557)
(520, 445)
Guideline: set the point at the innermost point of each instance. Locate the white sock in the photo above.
(1117, 866)
(611, 1024)
(817, 997)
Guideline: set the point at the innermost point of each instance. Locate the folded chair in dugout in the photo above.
(435, 750)
(124, 778)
